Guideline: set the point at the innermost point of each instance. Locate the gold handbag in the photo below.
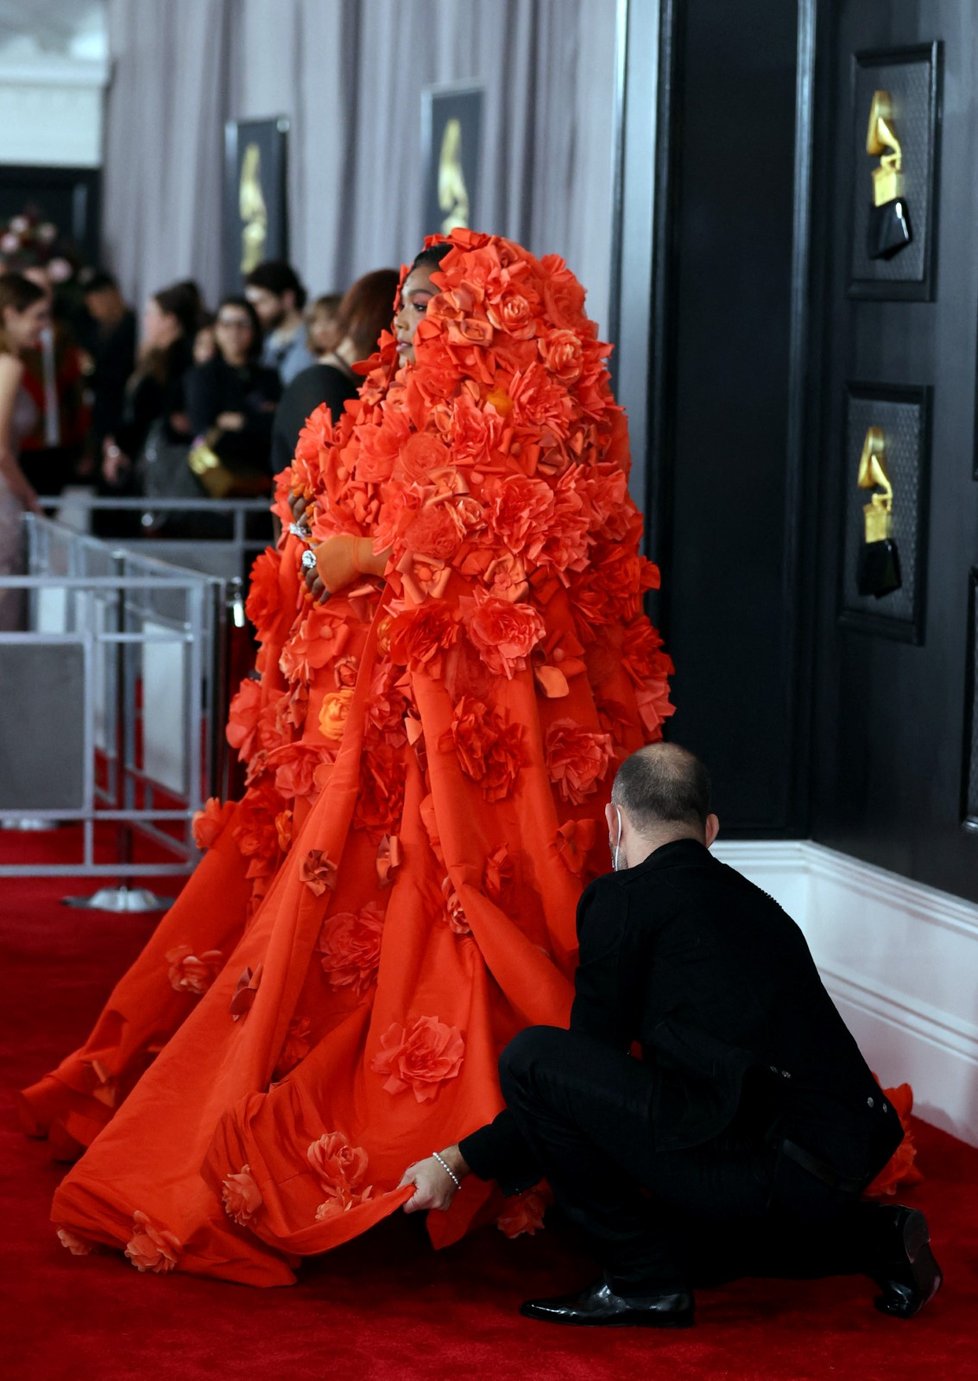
(218, 478)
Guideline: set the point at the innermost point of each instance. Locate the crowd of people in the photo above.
(185, 405)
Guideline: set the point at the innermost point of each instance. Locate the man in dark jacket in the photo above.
(751, 1118)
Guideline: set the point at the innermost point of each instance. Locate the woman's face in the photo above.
(160, 328)
(233, 333)
(23, 329)
(417, 292)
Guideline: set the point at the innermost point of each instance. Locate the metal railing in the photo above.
(134, 738)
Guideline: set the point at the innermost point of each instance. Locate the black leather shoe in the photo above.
(599, 1305)
(908, 1274)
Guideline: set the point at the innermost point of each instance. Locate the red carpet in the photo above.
(388, 1306)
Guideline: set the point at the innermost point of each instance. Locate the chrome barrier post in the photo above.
(122, 897)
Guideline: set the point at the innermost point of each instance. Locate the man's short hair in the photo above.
(96, 280)
(278, 277)
(662, 783)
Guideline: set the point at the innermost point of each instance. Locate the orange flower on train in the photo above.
(318, 637)
(900, 1169)
(192, 973)
(208, 824)
(294, 767)
(420, 637)
(523, 1213)
(334, 712)
(243, 717)
(241, 1196)
(349, 948)
(254, 828)
(503, 633)
(489, 747)
(75, 1244)
(340, 1169)
(264, 602)
(318, 872)
(380, 800)
(420, 1057)
(152, 1248)
(577, 758)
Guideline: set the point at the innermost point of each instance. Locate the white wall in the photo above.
(901, 963)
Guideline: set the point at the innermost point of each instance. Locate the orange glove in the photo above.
(340, 559)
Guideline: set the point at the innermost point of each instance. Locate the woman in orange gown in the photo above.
(429, 750)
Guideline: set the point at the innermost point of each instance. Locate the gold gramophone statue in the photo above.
(878, 570)
(889, 229)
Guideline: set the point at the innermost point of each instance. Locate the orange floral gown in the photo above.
(428, 756)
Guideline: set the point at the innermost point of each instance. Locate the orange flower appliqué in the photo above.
(577, 758)
(340, 1169)
(504, 634)
(151, 1248)
(209, 822)
(349, 948)
(318, 872)
(192, 973)
(333, 713)
(523, 1213)
(900, 1169)
(420, 1057)
(489, 747)
(241, 1196)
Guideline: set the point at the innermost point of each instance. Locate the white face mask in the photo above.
(617, 849)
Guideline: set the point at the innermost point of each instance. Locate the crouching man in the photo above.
(751, 1121)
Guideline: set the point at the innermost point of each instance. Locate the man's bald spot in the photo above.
(663, 784)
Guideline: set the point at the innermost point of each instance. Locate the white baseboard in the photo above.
(900, 960)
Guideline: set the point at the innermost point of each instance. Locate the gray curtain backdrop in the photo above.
(349, 75)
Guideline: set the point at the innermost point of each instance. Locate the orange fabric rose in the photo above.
(151, 1248)
(419, 637)
(318, 872)
(523, 1213)
(489, 747)
(333, 713)
(420, 1057)
(504, 634)
(74, 1244)
(241, 1196)
(190, 973)
(900, 1169)
(577, 758)
(209, 823)
(340, 1169)
(349, 948)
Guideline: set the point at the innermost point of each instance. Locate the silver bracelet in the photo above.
(447, 1169)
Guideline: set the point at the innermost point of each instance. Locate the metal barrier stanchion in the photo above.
(122, 897)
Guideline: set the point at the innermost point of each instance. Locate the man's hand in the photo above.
(433, 1185)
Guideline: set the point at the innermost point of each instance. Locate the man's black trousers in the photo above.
(584, 1110)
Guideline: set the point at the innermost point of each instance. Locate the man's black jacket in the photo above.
(716, 984)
